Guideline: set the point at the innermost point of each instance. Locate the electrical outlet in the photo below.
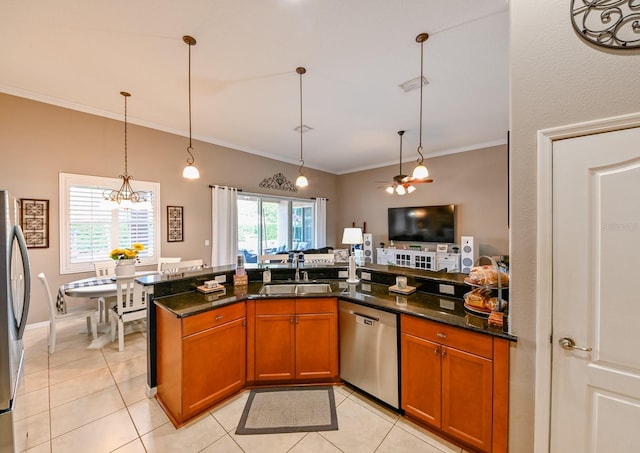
(365, 275)
(220, 278)
(447, 289)
(206, 242)
(343, 274)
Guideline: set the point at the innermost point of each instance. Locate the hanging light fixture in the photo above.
(190, 171)
(125, 196)
(399, 185)
(301, 181)
(420, 172)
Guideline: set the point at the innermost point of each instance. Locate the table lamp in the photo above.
(352, 236)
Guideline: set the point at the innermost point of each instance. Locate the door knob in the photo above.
(569, 344)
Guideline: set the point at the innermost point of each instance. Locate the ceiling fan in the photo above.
(402, 183)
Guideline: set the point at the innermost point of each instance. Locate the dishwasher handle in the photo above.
(365, 320)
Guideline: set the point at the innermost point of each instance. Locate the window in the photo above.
(271, 225)
(90, 229)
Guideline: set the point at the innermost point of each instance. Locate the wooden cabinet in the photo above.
(295, 339)
(456, 381)
(201, 359)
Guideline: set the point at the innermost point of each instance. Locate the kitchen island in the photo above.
(472, 356)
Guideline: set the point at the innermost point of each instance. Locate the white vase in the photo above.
(125, 268)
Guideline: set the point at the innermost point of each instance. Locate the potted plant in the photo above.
(126, 259)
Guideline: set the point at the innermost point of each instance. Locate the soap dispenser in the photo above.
(266, 275)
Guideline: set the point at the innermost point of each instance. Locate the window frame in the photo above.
(66, 181)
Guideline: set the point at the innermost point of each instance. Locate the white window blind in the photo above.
(91, 228)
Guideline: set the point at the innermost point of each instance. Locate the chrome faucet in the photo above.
(296, 263)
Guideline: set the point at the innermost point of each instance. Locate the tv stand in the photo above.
(418, 259)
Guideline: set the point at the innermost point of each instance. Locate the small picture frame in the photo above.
(442, 248)
(34, 221)
(175, 223)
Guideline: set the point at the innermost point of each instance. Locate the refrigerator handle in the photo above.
(16, 233)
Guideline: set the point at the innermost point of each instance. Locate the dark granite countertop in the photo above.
(448, 310)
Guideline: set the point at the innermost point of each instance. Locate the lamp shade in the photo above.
(352, 236)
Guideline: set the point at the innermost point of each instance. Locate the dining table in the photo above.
(100, 289)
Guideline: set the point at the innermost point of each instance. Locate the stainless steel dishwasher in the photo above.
(369, 351)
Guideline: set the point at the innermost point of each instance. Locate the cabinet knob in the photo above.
(436, 351)
(218, 318)
(442, 335)
(444, 353)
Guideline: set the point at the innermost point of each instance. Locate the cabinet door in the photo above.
(467, 397)
(421, 367)
(214, 365)
(275, 347)
(316, 346)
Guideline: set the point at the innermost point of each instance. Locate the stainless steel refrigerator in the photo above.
(15, 284)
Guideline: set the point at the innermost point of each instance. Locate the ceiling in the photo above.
(245, 89)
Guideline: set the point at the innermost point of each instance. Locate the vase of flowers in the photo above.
(126, 259)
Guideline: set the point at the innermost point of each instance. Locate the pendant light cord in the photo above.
(301, 71)
(421, 159)
(190, 159)
(301, 159)
(126, 171)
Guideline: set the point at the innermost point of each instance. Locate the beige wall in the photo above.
(38, 141)
(475, 181)
(556, 79)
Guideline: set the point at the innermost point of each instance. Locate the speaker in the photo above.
(367, 248)
(468, 253)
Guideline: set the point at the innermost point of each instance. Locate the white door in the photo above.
(595, 404)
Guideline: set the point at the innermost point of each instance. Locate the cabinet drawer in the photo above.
(316, 305)
(203, 321)
(474, 343)
(275, 307)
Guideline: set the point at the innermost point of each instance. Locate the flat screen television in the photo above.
(423, 224)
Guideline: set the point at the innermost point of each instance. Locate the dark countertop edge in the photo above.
(250, 293)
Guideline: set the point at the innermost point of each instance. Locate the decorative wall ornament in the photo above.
(608, 23)
(34, 222)
(175, 224)
(278, 182)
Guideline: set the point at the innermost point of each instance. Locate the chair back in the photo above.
(130, 296)
(105, 269)
(319, 258)
(163, 260)
(181, 266)
(282, 258)
(47, 291)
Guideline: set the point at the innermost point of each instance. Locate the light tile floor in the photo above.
(80, 400)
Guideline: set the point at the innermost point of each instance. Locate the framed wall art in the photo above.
(175, 224)
(34, 221)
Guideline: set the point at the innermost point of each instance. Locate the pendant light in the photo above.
(190, 171)
(421, 172)
(125, 196)
(301, 181)
(400, 186)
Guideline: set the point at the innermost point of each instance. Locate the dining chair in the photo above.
(72, 313)
(104, 269)
(282, 258)
(163, 260)
(131, 305)
(319, 258)
(181, 266)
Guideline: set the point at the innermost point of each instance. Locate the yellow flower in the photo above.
(126, 253)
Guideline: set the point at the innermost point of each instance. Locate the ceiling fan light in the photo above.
(190, 172)
(410, 189)
(389, 190)
(302, 181)
(420, 172)
(400, 190)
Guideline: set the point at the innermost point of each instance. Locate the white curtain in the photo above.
(224, 225)
(320, 226)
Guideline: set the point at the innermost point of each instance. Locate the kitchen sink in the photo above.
(285, 288)
(295, 288)
(313, 288)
